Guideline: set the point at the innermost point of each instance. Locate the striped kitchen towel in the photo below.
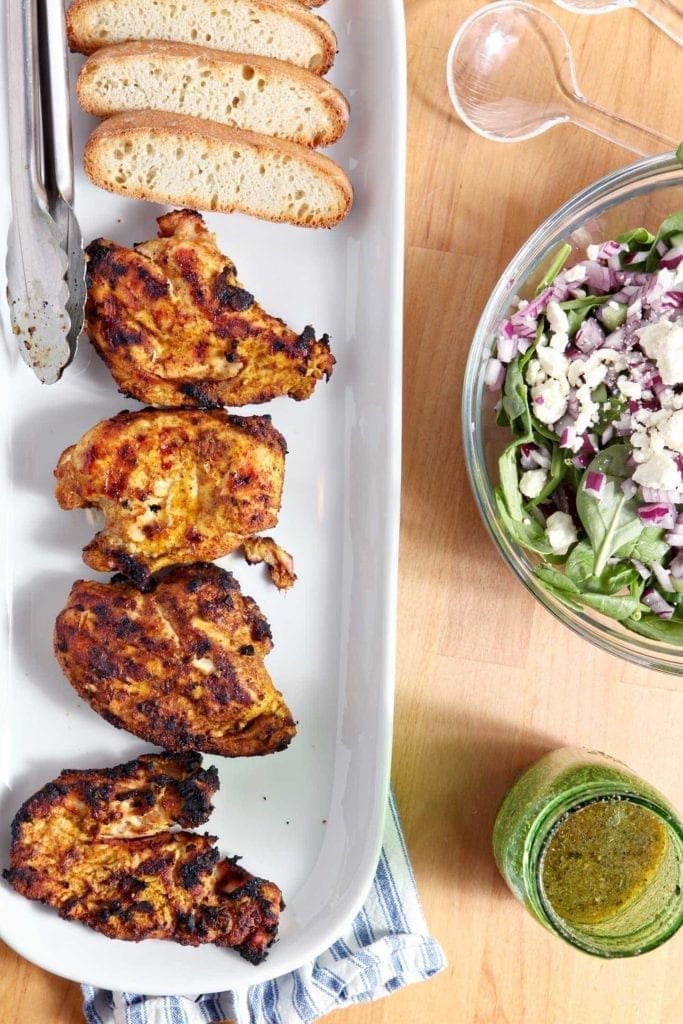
(386, 947)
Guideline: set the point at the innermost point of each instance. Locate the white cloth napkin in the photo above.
(386, 947)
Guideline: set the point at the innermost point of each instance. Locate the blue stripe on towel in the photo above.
(386, 947)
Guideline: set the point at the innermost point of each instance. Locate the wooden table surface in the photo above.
(487, 680)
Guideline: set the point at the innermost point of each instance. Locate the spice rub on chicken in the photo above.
(174, 486)
(96, 845)
(176, 327)
(180, 665)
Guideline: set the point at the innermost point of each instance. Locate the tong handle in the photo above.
(24, 122)
(54, 93)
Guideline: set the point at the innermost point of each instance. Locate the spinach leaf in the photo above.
(580, 566)
(617, 606)
(516, 401)
(509, 482)
(636, 239)
(610, 520)
(673, 225)
(615, 577)
(578, 309)
(648, 547)
(558, 467)
(580, 563)
(555, 267)
(557, 581)
(527, 531)
(667, 630)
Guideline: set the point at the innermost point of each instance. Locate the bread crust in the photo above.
(333, 102)
(140, 127)
(84, 17)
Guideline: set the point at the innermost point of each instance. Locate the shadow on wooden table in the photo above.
(459, 777)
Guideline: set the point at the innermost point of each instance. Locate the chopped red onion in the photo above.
(663, 577)
(540, 458)
(676, 567)
(506, 349)
(641, 569)
(494, 375)
(672, 299)
(652, 494)
(609, 248)
(656, 603)
(672, 257)
(595, 482)
(525, 453)
(659, 515)
(629, 487)
(568, 437)
(589, 336)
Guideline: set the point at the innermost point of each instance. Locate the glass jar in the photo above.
(539, 838)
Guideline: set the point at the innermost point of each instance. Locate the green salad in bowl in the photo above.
(581, 481)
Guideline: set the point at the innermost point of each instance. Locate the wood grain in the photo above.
(487, 680)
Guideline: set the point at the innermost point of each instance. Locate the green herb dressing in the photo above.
(601, 859)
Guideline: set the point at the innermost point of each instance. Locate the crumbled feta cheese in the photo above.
(532, 482)
(629, 388)
(663, 342)
(587, 417)
(549, 404)
(596, 375)
(671, 430)
(534, 373)
(557, 318)
(559, 341)
(553, 363)
(561, 532)
(659, 471)
(592, 252)
(575, 371)
(575, 274)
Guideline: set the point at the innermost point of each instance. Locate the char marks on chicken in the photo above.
(174, 486)
(180, 665)
(96, 845)
(176, 327)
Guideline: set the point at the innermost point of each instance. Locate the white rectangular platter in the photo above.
(309, 818)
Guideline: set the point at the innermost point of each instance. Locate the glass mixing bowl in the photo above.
(640, 195)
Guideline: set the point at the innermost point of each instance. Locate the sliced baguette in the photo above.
(184, 161)
(243, 91)
(283, 29)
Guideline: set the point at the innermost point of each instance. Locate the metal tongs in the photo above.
(45, 263)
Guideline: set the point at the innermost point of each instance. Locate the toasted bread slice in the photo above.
(184, 161)
(240, 90)
(283, 29)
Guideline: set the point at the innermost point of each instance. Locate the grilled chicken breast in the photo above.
(96, 845)
(176, 327)
(174, 486)
(180, 665)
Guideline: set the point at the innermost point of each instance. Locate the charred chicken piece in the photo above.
(174, 486)
(176, 327)
(180, 665)
(95, 845)
(280, 563)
